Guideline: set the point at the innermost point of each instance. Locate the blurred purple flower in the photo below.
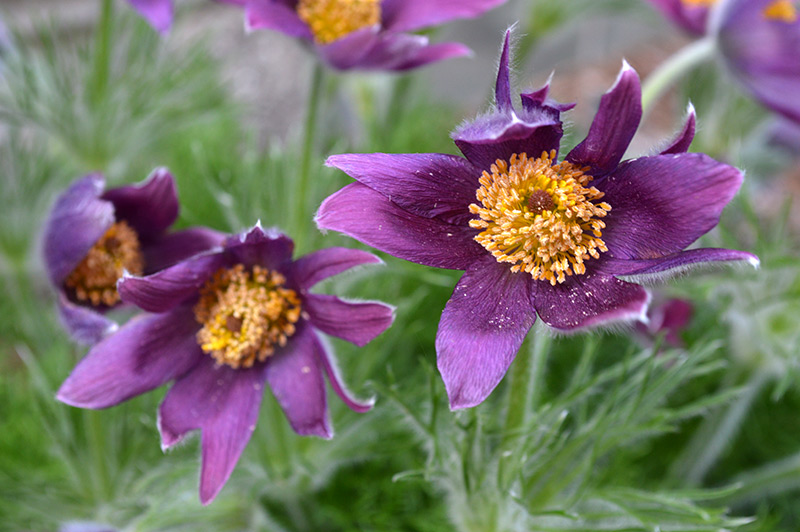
(691, 15)
(786, 134)
(669, 318)
(365, 34)
(158, 13)
(535, 236)
(92, 236)
(227, 322)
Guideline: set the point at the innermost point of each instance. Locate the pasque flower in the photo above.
(668, 317)
(158, 13)
(365, 34)
(93, 236)
(758, 41)
(532, 234)
(224, 323)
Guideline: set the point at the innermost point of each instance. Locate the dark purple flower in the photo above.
(535, 236)
(158, 13)
(669, 318)
(93, 236)
(226, 323)
(365, 34)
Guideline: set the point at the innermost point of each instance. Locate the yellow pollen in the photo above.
(330, 20)
(245, 314)
(94, 280)
(699, 3)
(781, 10)
(541, 217)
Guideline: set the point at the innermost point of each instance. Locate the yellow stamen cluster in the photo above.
(330, 20)
(539, 216)
(781, 10)
(245, 314)
(699, 3)
(94, 280)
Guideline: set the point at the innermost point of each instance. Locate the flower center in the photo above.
(332, 19)
(94, 280)
(245, 314)
(539, 216)
(781, 10)
(699, 3)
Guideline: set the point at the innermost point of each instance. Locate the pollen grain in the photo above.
(330, 20)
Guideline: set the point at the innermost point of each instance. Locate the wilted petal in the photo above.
(142, 355)
(481, 330)
(401, 51)
(358, 323)
(406, 15)
(685, 136)
(265, 247)
(274, 15)
(174, 247)
(158, 13)
(674, 263)
(85, 326)
(370, 217)
(613, 126)
(150, 208)
(317, 266)
(337, 383)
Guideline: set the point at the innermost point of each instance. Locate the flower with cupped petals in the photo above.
(365, 34)
(533, 235)
(757, 40)
(223, 324)
(93, 236)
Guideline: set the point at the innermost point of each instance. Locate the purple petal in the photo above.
(406, 15)
(144, 354)
(295, 377)
(675, 263)
(337, 383)
(589, 300)
(502, 87)
(431, 185)
(274, 15)
(370, 217)
(613, 126)
(319, 265)
(347, 52)
(691, 18)
(481, 329)
(223, 403)
(168, 288)
(661, 204)
(358, 323)
(686, 136)
(158, 13)
(150, 208)
(175, 247)
(264, 247)
(77, 221)
(402, 51)
(672, 317)
(539, 99)
(85, 325)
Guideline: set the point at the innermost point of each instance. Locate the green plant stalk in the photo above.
(102, 52)
(526, 374)
(774, 478)
(674, 68)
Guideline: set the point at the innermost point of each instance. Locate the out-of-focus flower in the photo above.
(786, 134)
(534, 235)
(94, 236)
(229, 321)
(84, 526)
(758, 40)
(365, 34)
(669, 318)
(158, 13)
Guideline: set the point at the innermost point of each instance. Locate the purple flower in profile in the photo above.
(365, 34)
(669, 318)
(535, 236)
(93, 236)
(225, 323)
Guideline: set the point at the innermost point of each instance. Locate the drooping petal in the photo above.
(174, 247)
(150, 208)
(337, 383)
(431, 185)
(266, 247)
(481, 329)
(85, 326)
(173, 286)
(158, 13)
(691, 18)
(402, 51)
(643, 269)
(346, 53)
(685, 137)
(358, 323)
(589, 300)
(613, 126)
(275, 15)
(223, 403)
(78, 220)
(295, 376)
(370, 217)
(142, 355)
(661, 204)
(321, 264)
(407, 15)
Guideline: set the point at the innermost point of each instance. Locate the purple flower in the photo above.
(691, 15)
(226, 322)
(365, 34)
(669, 318)
(533, 235)
(93, 236)
(158, 13)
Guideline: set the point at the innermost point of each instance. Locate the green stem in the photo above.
(674, 68)
(102, 51)
(397, 104)
(772, 479)
(526, 375)
(98, 450)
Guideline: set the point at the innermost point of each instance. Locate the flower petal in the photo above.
(502, 86)
(337, 383)
(539, 99)
(692, 18)
(402, 51)
(645, 269)
(481, 329)
(346, 53)
(661, 204)
(406, 15)
(158, 13)
(265, 247)
(613, 126)
(77, 221)
(275, 15)
(432, 185)
(319, 265)
(358, 323)
(175, 247)
(144, 354)
(370, 217)
(686, 136)
(589, 300)
(295, 377)
(223, 403)
(150, 208)
(85, 326)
